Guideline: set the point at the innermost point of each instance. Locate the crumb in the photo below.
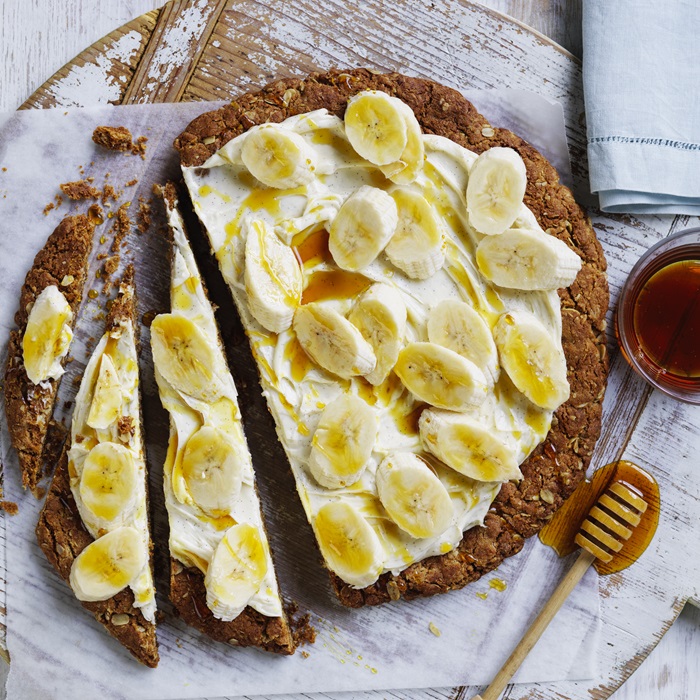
(138, 148)
(125, 425)
(433, 628)
(305, 654)
(80, 189)
(157, 189)
(111, 265)
(48, 208)
(4, 170)
(95, 214)
(90, 179)
(300, 625)
(121, 227)
(114, 138)
(58, 199)
(131, 183)
(144, 215)
(10, 507)
(108, 192)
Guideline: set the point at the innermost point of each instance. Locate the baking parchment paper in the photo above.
(57, 648)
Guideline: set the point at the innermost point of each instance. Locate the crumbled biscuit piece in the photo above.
(114, 138)
(10, 507)
(80, 189)
(125, 425)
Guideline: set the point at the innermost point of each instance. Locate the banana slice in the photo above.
(212, 470)
(278, 157)
(349, 545)
(184, 357)
(343, 442)
(527, 259)
(376, 127)
(495, 190)
(273, 278)
(440, 376)
(406, 169)
(380, 315)
(107, 398)
(332, 342)
(531, 357)
(362, 227)
(236, 571)
(457, 326)
(108, 565)
(413, 496)
(418, 246)
(467, 446)
(109, 481)
(48, 335)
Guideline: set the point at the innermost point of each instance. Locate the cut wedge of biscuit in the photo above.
(222, 579)
(49, 301)
(94, 526)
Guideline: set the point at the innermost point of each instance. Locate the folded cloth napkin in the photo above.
(641, 78)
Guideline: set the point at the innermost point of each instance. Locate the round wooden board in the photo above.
(214, 49)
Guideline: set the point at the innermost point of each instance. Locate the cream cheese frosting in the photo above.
(227, 197)
(119, 434)
(195, 533)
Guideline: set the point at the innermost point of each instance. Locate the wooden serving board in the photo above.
(214, 49)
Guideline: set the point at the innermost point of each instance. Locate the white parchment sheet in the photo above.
(57, 648)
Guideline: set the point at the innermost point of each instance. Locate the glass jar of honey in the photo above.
(657, 322)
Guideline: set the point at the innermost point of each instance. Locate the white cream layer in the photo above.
(193, 535)
(225, 194)
(120, 344)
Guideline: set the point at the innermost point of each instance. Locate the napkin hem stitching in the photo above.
(684, 145)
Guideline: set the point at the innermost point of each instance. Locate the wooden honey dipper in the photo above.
(608, 525)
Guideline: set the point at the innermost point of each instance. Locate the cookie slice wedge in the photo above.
(96, 519)
(222, 577)
(48, 305)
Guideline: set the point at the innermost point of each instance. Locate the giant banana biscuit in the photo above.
(555, 467)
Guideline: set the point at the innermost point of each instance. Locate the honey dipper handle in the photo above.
(539, 625)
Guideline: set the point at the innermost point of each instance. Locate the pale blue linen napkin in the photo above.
(641, 76)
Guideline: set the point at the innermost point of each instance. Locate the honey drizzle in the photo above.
(561, 530)
(334, 284)
(312, 248)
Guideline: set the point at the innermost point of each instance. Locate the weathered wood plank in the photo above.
(178, 39)
(103, 71)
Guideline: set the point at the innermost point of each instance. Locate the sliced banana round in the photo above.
(376, 127)
(410, 163)
(380, 315)
(532, 358)
(527, 259)
(47, 336)
(454, 324)
(332, 342)
(441, 377)
(212, 469)
(236, 571)
(184, 357)
(278, 157)
(348, 543)
(363, 226)
(109, 481)
(343, 442)
(417, 247)
(273, 278)
(108, 565)
(413, 496)
(467, 446)
(106, 403)
(495, 190)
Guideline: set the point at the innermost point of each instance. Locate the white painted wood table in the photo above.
(40, 36)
